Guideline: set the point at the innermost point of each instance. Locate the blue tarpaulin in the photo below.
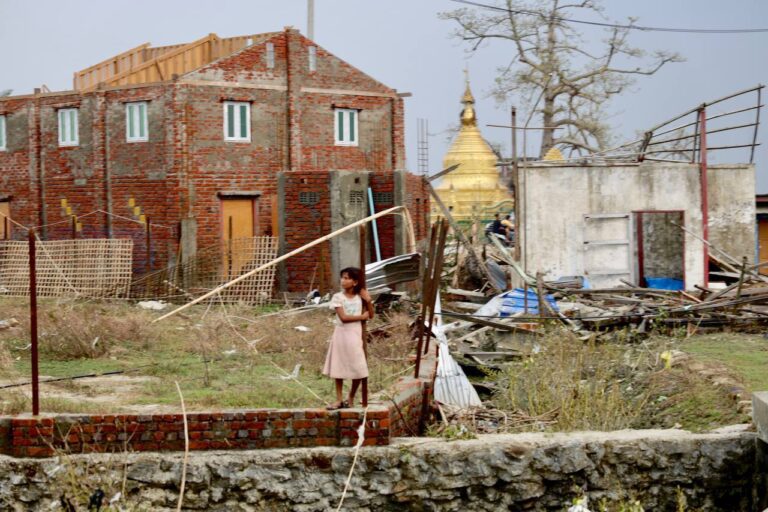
(514, 302)
(664, 283)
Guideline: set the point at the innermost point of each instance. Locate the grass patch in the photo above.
(222, 357)
(744, 354)
(617, 384)
(677, 398)
(584, 386)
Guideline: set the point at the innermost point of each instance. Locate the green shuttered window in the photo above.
(345, 128)
(136, 129)
(237, 121)
(68, 127)
(3, 136)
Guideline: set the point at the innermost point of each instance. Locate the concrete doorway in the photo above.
(660, 249)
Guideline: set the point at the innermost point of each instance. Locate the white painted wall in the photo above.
(554, 200)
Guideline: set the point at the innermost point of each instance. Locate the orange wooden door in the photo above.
(5, 221)
(762, 237)
(238, 222)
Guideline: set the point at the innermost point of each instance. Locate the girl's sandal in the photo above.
(336, 406)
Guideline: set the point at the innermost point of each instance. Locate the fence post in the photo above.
(33, 323)
(364, 390)
(704, 189)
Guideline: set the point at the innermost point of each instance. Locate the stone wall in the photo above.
(539, 472)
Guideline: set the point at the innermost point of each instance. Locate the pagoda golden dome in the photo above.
(473, 190)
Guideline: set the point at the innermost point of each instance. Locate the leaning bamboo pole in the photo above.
(284, 257)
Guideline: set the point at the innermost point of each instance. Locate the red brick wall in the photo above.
(250, 429)
(417, 202)
(305, 223)
(16, 180)
(186, 164)
(383, 186)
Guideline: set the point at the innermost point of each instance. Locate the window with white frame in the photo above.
(2, 133)
(345, 127)
(313, 58)
(136, 125)
(68, 127)
(270, 55)
(237, 121)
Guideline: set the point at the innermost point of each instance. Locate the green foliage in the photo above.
(451, 432)
(580, 382)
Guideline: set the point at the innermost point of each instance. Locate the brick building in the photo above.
(219, 138)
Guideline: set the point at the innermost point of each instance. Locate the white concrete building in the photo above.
(610, 223)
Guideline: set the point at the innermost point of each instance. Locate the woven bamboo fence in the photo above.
(90, 268)
(211, 267)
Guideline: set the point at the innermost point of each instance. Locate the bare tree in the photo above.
(552, 70)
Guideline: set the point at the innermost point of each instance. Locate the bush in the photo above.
(82, 331)
(579, 383)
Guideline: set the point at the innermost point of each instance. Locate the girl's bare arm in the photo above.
(350, 318)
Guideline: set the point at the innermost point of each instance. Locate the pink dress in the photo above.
(345, 358)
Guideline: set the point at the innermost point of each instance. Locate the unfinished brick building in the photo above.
(219, 138)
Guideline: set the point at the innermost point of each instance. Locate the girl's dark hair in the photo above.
(354, 274)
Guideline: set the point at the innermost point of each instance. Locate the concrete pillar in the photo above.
(348, 191)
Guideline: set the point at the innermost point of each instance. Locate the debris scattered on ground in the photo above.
(7, 324)
(492, 421)
(153, 305)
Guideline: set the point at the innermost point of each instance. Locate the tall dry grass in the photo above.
(585, 385)
(303, 339)
(85, 331)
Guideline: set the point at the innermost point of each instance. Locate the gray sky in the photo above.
(403, 44)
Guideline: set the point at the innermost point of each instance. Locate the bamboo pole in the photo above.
(284, 257)
(364, 327)
(437, 271)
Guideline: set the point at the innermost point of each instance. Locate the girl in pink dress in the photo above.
(346, 354)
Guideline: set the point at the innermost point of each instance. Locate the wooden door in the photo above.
(762, 240)
(5, 221)
(238, 222)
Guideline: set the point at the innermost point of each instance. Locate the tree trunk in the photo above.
(550, 62)
(547, 118)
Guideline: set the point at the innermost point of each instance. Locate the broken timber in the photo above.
(460, 236)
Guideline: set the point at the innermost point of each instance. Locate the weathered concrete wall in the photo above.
(732, 209)
(555, 199)
(540, 472)
(349, 203)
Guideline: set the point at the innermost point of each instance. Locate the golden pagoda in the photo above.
(473, 191)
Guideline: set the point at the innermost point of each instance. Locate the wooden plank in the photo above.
(139, 74)
(488, 323)
(442, 173)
